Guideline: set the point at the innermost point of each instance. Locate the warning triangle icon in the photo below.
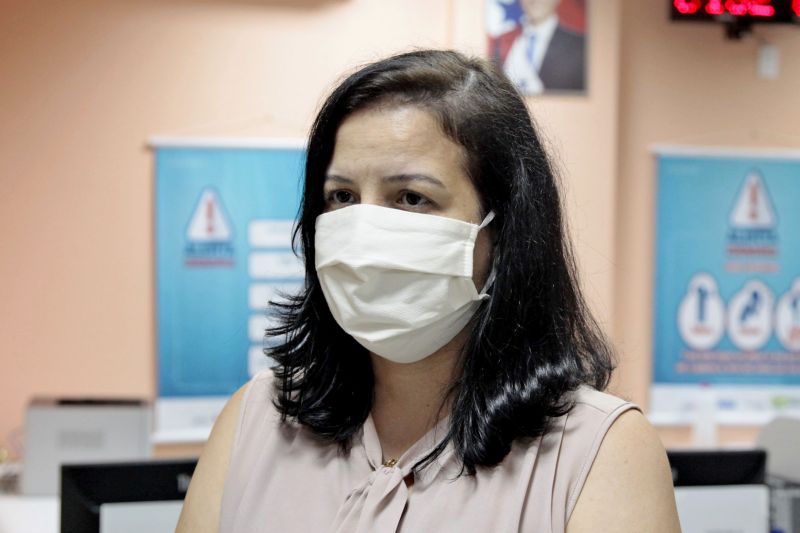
(209, 222)
(753, 207)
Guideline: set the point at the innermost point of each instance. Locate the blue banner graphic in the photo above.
(223, 249)
(727, 285)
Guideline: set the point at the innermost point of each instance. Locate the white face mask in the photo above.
(398, 282)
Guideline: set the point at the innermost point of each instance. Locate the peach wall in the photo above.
(86, 82)
(582, 136)
(683, 83)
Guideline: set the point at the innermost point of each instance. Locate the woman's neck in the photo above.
(408, 397)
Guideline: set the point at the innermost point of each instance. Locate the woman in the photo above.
(441, 371)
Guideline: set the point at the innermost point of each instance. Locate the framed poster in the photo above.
(727, 283)
(539, 44)
(224, 212)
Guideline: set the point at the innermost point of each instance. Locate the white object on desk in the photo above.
(780, 438)
(61, 432)
(135, 517)
(26, 514)
(729, 508)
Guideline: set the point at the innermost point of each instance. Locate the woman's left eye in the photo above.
(413, 199)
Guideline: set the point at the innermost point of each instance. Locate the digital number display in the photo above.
(786, 11)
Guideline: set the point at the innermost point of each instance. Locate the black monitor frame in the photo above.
(85, 487)
(717, 467)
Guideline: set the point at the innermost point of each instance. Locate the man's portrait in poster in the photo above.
(540, 44)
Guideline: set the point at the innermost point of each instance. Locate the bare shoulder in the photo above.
(629, 486)
(201, 508)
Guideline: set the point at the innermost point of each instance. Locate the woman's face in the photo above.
(398, 157)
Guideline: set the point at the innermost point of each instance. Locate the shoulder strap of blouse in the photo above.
(256, 398)
(584, 430)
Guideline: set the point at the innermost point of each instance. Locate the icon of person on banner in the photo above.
(701, 314)
(540, 44)
(750, 316)
(787, 318)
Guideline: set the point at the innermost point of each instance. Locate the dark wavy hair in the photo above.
(532, 342)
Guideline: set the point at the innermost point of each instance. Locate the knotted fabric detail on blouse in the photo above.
(378, 503)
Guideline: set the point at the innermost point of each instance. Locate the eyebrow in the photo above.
(403, 178)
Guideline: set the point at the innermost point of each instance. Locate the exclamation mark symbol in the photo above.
(753, 196)
(210, 216)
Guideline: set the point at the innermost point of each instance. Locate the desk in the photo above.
(41, 514)
(23, 514)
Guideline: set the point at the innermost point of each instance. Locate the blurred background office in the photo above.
(89, 88)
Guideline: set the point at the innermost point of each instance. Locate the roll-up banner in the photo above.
(224, 211)
(727, 284)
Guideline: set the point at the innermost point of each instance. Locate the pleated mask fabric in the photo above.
(398, 282)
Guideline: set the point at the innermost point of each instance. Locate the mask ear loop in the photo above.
(493, 271)
(486, 220)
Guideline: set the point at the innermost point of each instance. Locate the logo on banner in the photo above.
(753, 220)
(209, 235)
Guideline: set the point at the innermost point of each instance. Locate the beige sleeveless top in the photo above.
(282, 478)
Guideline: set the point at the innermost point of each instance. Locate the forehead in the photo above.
(382, 141)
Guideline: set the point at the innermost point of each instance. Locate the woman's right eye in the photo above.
(340, 196)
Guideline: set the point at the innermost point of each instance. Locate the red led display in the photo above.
(688, 7)
(764, 10)
(756, 8)
(715, 7)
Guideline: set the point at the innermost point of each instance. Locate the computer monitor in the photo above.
(721, 490)
(121, 497)
(717, 467)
